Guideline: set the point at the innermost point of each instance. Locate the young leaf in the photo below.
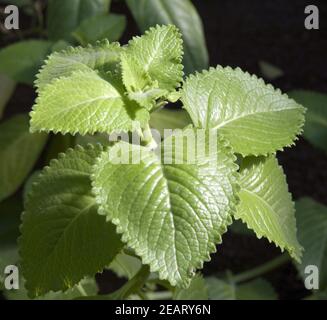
(312, 232)
(172, 215)
(266, 205)
(258, 289)
(159, 53)
(64, 16)
(138, 83)
(181, 13)
(63, 237)
(86, 103)
(21, 61)
(197, 290)
(19, 150)
(315, 129)
(7, 88)
(253, 116)
(102, 56)
(100, 27)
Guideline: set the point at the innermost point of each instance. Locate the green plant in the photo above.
(85, 208)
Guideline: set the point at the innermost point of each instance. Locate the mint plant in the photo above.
(86, 208)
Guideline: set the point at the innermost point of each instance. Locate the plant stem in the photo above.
(133, 285)
(147, 139)
(81, 290)
(260, 270)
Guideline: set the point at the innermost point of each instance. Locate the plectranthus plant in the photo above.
(88, 208)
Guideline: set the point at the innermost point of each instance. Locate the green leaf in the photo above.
(19, 151)
(315, 129)
(71, 240)
(258, 289)
(7, 88)
(196, 291)
(159, 55)
(169, 119)
(138, 83)
(100, 27)
(181, 13)
(172, 215)
(103, 56)
(86, 103)
(266, 205)
(253, 116)
(64, 16)
(87, 286)
(125, 266)
(10, 211)
(312, 232)
(20, 61)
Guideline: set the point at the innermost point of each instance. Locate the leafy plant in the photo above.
(87, 207)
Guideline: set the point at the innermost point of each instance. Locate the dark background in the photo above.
(241, 33)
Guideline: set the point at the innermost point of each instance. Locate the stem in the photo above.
(133, 285)
(147, 139)
(260, 270)
(81, 290)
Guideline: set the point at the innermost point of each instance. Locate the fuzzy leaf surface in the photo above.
(182, 14)
(266, 206)
(102, 56)
(159, 56)
(172, 215)
(63, 237)
(253, 116)
(86, 103)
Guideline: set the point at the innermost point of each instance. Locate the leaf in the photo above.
(7, 88)
(258, 289)
(312, 233)
(71, 239)
(181, 13)
(196, 291)
(266, 205)
(10, 211)
(100, 27)
(64, 16)
(253, 116)
(20, 61)
(86, 103)
(138, 83)
(315, 129)
(125, 266)
(270, 71)
(159, 53)
(169, 119)
(172, 215)
(103, 56)
(19, 151)
(86, 286)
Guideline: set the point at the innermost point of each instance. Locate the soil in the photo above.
(241, 34)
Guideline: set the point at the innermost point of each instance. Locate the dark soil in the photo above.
(241, 33)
